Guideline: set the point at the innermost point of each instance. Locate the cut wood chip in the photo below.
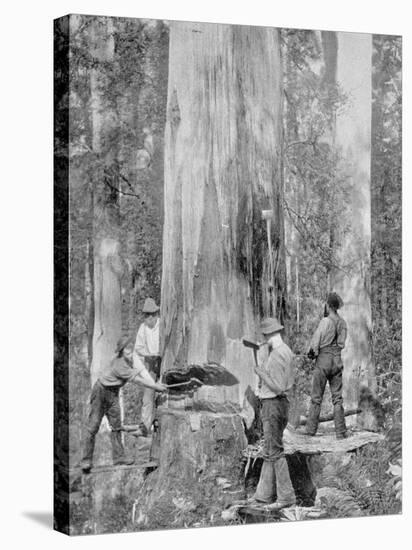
(209, 374)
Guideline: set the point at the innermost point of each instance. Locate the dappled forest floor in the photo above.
(349, 483)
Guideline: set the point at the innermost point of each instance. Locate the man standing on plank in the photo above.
(276, 379)
(326, 346)
(104, 401)
(146, 353)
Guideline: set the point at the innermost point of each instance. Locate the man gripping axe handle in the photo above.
(254, 346)
(370, 413)
(193, 383)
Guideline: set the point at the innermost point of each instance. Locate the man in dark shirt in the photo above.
(326, 345)
(104, 401)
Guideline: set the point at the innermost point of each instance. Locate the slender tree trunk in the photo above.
(297, 294)
(330, 55)
(107, 261)
(89, 277)
(107, 325)
(353, 136)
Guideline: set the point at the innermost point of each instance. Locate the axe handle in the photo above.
(178, 384)
(269, 236)
(130, 428)
(329, 417)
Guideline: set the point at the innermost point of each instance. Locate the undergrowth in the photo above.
(370, 479)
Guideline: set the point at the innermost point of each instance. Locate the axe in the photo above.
(254, 346)
(301, 421)
(371, 414)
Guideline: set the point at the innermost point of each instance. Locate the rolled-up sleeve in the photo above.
(274, 371)
(342, 333)
(124, 372)
(316, 338)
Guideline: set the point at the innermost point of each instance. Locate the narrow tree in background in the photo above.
(353, 137)
(386, 183)
(107, 262)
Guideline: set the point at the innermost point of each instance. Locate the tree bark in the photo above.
(108, 265)
(107, 324)
(107, 261)
(353, 137)
(223, 166)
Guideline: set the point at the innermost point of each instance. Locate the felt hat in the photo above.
(269, 325)
(334, 300)
(122, 343)
(150, 306)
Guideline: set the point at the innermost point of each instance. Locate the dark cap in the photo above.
(334, 300)
(122, 343)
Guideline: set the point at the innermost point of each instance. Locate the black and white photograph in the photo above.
(228, 274)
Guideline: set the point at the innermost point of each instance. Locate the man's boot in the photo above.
(339, 418)
(86, 463)
(118, 450)
(313, 419)
(265, 488)
(284, 488)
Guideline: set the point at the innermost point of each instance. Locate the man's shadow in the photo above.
(42, 518)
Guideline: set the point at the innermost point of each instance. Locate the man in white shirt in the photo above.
(276, 379)
(146, 352)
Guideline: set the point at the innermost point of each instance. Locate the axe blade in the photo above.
(250, 344)
(209, 374)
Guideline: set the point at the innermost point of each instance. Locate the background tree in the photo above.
(353, 139)
(316, 196)
(386, 178)
(118, 76)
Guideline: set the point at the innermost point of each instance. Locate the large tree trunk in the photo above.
(222, 167)
(353, 136)
(108, 265)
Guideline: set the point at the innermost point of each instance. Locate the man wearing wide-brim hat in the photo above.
(146, 352)
(276, 379)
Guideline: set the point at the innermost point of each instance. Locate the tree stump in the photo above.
(299, 451)
(200, 469)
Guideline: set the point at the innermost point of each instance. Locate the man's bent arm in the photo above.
(263, 375)
(315, 342)
(144, 379)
